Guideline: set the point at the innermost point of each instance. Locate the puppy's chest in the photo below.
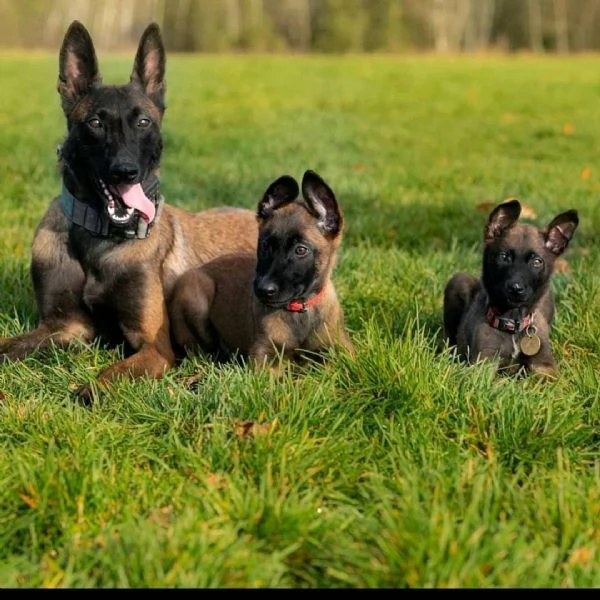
(297, 328)
(513, 348)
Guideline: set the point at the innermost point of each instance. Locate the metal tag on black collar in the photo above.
(530, 343)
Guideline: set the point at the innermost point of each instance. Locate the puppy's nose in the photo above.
(517, 288)
(124, 172)
(266, 289)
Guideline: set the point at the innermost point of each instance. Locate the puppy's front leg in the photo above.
(266, 354)
(542, 366)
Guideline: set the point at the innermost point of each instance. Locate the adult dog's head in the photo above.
(113, 143)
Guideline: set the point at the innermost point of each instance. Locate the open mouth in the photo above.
(118, 212)
(122, 200)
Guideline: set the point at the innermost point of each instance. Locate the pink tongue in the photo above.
(133, 196)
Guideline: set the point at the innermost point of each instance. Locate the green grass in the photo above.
(401, 469)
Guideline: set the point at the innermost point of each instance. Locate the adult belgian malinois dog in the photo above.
(508, 313)
(276, 302)
(108, 251)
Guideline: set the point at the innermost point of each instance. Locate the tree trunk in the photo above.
(561, 25)
(535, 25)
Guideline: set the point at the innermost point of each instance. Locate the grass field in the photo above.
(401, 469)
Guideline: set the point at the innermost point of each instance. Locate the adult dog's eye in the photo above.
(143, 123)
(301, 250)
(94, 123)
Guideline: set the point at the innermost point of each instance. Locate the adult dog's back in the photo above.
(108, 250)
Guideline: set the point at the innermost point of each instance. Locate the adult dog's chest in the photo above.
(112, 275)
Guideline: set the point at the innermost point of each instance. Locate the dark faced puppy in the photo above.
(279, 300)
(108, 251)
(508, 313)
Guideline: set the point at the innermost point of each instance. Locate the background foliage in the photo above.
(313, 25)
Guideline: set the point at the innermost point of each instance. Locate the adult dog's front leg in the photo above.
(58, 282)
(58, 333)
(146, 329)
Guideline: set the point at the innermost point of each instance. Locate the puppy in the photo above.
(508, 313)
(278, 301)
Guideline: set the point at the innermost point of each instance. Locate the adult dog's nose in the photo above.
(124, 172)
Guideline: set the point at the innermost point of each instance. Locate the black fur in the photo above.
(113, 132)
(286, 267)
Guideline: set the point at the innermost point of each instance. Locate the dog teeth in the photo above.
(119, 218)
(106, 191)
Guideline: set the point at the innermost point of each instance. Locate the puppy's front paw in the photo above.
(544, 373)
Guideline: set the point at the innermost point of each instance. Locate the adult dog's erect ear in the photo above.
(322, 203)
(281, 192)
(149, 66)
(77, 68)
(501, 218)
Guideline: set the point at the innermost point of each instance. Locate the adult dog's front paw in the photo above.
(87, 394)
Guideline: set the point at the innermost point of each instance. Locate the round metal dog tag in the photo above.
(530, 344)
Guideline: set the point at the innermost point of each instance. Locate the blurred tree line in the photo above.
(313, 25)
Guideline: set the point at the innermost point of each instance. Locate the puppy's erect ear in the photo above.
(322, 203)
(77, 66)
(560, 231)
(502, 217)
(149, 65)
(281, 192)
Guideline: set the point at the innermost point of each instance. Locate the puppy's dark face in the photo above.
(518, 259)
(113, 132)
(288, 258)
(297, 240)
(516, 268)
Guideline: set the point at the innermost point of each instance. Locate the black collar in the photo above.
(99, 224)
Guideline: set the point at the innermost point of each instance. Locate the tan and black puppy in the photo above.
(279, 300)
(508, 313)
(108, 251)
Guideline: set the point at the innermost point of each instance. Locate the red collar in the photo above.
(297, 306)
(506, 324)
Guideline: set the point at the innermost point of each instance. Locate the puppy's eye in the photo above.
(504, 257)
(143, 123)
(94, 123)
(301, 250)
(537, 262)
